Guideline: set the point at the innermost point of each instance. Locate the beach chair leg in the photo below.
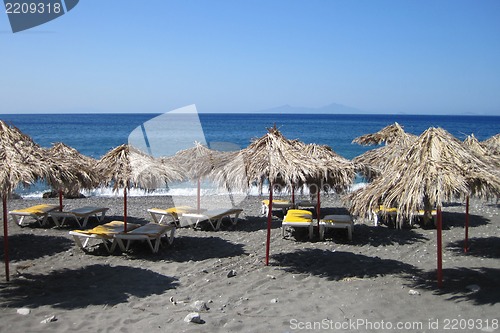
(349, 232)
(101, 218)
(322, 232)
(18, 221)
(170, 238)
(311, 231)
(78, 242)
(375, 219)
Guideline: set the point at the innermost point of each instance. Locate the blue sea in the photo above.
(95, 134)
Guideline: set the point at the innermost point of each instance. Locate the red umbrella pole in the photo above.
(269, 219)
(198, 196)
(60, 200)
(125, 209)
(5, 237)
(439, 248)
(318, 209)
(466, 240)
(293, 196)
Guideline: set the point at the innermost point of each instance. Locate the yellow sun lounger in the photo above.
(277, 204)
(39, 212)
(336, 221)
(382, 210)
(151, 233)
(79, 214)
(214, 217)
(104, 233)
(298, 218)
(170, 215)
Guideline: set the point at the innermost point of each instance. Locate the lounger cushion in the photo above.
(37, 210)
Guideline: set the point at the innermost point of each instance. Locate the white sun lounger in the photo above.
(79, 214)
(170, 215)
(103, 233)
(298, 218)
(277, 204)
(39, 212)
(338, 222)
(151, 233)
(214, 217)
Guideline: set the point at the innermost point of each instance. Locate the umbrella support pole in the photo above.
(269, 219)
(466, 240)
(5, 237)
(318, 209)
(198, 194)
(60, 200)
(125, 209)
(439, 248)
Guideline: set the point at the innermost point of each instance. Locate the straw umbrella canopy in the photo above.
(126, 166)
(435, 168)
(275, 159)
(81, 166)
(372, 163)
(388, 134)
(492, 145)
(21, 162)
(490, 160)
(198, 161)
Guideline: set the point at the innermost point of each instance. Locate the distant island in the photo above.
(333, 108)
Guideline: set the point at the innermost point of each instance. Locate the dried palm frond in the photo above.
(21, 160)
(198, 161)
(75, 170)
(435, 168)
(126, 166)
(281, 161)
(388, 135)
(492, 145)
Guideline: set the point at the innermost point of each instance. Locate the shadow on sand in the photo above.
(484, 247)
(187, 248)
(457, 280)
(384, 236)
(29, 246)
(78, 288)
(339, 265)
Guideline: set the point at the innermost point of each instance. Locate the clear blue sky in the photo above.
(241, 56)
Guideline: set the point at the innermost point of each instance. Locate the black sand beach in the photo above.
(382, 280)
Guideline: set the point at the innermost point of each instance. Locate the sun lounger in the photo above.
(306, 204)
(39, 212)
(79, 214)
(214, 217)
(277, 204)
(420, 214)
(170, 215)
(104, 233)
(298, 218)
(336, 221)
(383, 211)
(151, 233)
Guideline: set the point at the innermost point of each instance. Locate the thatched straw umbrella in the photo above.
(388, 134)
(126, 166)
(492, 145)
(198, 161)
(337, 172)
(435, 168)
(82, 167)
(271, 157)
(372, 163)
(21, 162)
(490, 160)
